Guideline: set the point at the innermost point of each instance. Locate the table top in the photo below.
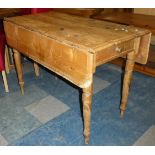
(87, 34)
(73, 46)
(144, 21)
(8, 12)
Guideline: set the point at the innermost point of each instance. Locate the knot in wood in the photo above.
(61, 29)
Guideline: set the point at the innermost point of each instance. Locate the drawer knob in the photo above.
(118, 49)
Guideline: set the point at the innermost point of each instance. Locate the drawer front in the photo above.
(114, 51)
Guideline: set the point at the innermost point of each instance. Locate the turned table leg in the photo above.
(19, 69)
(127, 80)
(87, 102)
(7, 61)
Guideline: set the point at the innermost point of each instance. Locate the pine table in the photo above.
(73, 47)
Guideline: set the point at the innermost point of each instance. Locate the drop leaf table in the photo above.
(73, 47)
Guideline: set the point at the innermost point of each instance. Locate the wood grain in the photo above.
(7, 60)
(19, 69)
(128, 74)
(140, 20)
(145, 11)
(36, 69)
(7, 12)
(127, 79)
(87, 105)
(73, 47)
(5, 81)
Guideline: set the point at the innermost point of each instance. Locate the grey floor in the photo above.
(49, 112)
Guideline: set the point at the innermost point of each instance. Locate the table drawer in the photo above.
(114, 51)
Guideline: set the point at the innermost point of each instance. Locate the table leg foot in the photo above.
(22, 87)
(5, 81)
(87, 102)
(36, 69)
(122, 113)
(86, 140)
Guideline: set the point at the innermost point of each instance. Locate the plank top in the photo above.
(88, 34)
(140, 20)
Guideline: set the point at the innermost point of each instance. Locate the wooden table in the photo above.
(73, 47)
(140, 20)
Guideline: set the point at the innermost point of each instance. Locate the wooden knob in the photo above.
(118, 49)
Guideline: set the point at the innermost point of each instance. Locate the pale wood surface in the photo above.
(87, 105)
(7, 62)
(127, 79)
(148, 69)
(36, 69)
(139, 68)
(5, 81)
(145, 11)
(145, 21)
(19, 69)
(127, 76)
(73, 47)
(85, 33)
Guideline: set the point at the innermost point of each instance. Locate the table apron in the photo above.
(114, 51)
(75, 65)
